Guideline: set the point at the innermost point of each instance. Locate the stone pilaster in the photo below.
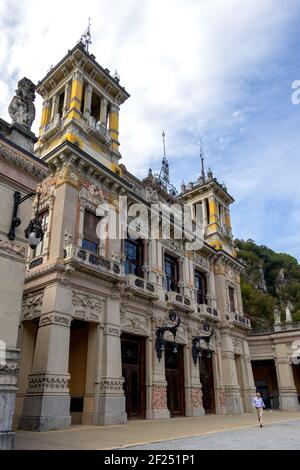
(111, 398)
(288, 397)
(249, 386)
(232, 393)
(8, 379)
(158, 386)
(218, 378)
(193, 396)
(47, 402)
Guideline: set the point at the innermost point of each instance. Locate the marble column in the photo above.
(88, 100)
(67, 98)
(103, 112)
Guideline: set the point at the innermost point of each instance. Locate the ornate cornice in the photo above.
(9, 369)
(22, 162)
(11, 248)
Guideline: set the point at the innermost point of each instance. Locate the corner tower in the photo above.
(210, 203)
(81, 102)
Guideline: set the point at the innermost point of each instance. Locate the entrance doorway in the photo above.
(265, 379)
(175, 380)
(207, 382)
(133, 371)
(296, 373)
(77, 368)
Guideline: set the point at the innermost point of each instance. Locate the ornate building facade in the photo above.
(92, 308)
(20, 172)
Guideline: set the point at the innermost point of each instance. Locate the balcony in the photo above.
(281, 328)
(86, 260)
(208, 312)
(98, 130)
(52, 127)
(176, 300)
(141, 287)
(239, 320)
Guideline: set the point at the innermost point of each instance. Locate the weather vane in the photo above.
(86, 38)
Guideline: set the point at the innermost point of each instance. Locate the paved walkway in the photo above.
(283, 435)
(143, 432)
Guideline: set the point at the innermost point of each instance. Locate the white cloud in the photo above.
(185, 63)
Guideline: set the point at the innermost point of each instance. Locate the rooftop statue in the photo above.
(21, 108)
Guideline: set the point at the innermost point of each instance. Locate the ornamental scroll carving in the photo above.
(31, 306)
(12, 248)
(87, 307)
(9, 369)
(92, 195)
(135, 324)
(22, 162)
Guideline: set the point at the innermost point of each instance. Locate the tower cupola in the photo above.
(81, 102)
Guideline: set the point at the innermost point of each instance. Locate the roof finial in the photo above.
(86, 38)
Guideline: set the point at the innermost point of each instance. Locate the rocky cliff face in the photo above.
(270, 279)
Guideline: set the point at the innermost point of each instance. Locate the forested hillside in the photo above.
(269, 279)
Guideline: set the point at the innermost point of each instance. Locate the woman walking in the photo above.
(259, 405)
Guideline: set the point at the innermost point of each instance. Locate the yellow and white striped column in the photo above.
(114, 127)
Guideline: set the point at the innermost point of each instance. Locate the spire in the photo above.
(202, 161)
(163, 178)
(86, 37)
(164, 172)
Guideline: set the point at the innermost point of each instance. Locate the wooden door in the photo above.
(175, 380)
(133, 370)
(207, 381)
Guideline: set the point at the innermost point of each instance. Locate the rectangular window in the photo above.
(44, 219)
(231, 299)
(171, 272)
(134, 257)
(90, 238)
(95, 107)
(200, 284)
(61, 100)
(207, 210)
(83, 98)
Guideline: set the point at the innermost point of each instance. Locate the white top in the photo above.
(258, 402)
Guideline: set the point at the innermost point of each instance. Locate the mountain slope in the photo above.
(269, 279)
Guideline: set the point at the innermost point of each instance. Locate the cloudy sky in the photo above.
(219, 70)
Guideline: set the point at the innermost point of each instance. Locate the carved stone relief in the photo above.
(87, 307)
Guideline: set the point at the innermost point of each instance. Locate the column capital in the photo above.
(54, 319)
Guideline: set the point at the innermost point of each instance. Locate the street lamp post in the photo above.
(197, 350)
(34, 232)
(160, 342)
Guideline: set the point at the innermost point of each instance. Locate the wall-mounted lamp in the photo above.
(197, 350)
(160, 342)
(34, 232)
